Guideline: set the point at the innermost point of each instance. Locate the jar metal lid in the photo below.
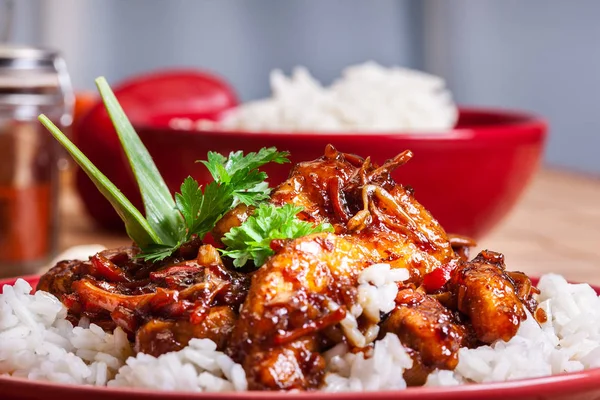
(30, 75)
(20, 57)
(27, 68)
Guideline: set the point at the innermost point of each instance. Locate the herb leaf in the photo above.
(158, 252)
(161, 213)
(241, 172)
(200, 212)
(136, 225)
(216, 201)
(252, 239)
(254, 195)
(237, 161)
(189, 201)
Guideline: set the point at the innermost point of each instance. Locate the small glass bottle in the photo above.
(32, 81)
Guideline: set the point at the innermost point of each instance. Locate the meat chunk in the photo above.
(59, 279)
(317, 186)
(295, 365)
(289, 305)
(426, 326)
(484, 292)
(288, 308)
(360, 199)
(233, 218)
(157, 337)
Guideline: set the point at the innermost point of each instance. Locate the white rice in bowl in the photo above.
(366, 98)
(37, 342)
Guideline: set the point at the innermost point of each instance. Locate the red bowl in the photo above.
(469, 177)
(573, 386)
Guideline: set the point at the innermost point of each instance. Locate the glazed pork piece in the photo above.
(373, 216)
(360, 199)
(278, 336)
(426, 326)
(484, 291)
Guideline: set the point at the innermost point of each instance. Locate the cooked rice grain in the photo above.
(197, 368)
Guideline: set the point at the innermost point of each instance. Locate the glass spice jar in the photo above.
(32, 81)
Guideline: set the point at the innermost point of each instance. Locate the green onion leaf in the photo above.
(136, 225)
(161, 212)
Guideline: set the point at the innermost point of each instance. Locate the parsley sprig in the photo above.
(252, 240)
(200, 211)
(236, 180)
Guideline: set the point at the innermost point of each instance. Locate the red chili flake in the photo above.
(437, 279)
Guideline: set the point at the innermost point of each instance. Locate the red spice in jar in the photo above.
(25, 223)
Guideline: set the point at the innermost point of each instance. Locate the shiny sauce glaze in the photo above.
(278, 320)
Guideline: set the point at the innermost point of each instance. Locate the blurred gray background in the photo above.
(537, 55)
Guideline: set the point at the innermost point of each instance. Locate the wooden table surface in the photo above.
(554, 228)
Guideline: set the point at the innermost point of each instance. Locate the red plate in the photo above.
(573, 386)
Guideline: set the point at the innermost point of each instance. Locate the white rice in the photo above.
(382, 370)
(197, 368)
(37, 342)
(377, 290)
(368, 97)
